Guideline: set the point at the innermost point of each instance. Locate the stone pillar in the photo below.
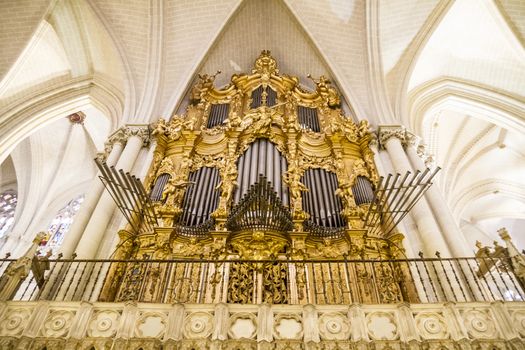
(410, 239)
(450, 229)
(114, 148)
(392, 139)
(94, 232)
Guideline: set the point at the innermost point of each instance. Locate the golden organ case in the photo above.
(261, 190)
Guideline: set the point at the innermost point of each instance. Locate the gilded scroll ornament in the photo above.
(258, 247)
(265, 64)
(326, 91)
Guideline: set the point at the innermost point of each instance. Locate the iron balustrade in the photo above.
(287, 281)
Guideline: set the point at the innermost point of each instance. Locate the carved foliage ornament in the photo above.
(479, 324)
(265, 64)
(198, 325)
(334, 326)
(57, 324)
(14, 321)
(431, 325)
(103, 323)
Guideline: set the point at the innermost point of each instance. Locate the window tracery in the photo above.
(8, 201)
(60, 225)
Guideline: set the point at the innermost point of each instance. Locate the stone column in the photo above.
(392, 139)
(113, 149)
(451, 231)
(94, 232)
(409, 235)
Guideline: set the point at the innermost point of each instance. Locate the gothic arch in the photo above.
(482, 188)
(485, 102)
(47, 105)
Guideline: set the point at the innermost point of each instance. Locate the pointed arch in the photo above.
(482, 188)
(296, 52)
(485, 102)
(46, 105)
(129, 93)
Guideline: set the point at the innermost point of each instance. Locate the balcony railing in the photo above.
(340, 281)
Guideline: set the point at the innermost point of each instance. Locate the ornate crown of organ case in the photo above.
(261, 169)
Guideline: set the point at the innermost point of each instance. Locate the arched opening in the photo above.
(59, 226)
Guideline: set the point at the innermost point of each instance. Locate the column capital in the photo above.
(386, 132)
(416, 142)
(122, 134)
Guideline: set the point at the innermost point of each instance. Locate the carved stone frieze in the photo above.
(237, 326)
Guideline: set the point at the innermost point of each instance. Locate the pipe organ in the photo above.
(363, 191)
(259, 169)
(158, 188)
(263, 95)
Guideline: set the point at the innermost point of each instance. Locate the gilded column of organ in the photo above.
(261, 169)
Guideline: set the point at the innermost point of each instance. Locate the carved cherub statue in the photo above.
(228, 184)
(205, 83)
(345, 193)
(174, 191)
(293, 179)
(160, 127)
(327, 92)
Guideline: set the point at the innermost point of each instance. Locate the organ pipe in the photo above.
(257, 100)
(308, 118)
(363, 191)
(218, 114)
(271, 98)
(261, 158)
(321, 202)
(156, 192)
(201, 198)
(257, 97)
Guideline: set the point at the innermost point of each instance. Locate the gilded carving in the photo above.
(185, 144)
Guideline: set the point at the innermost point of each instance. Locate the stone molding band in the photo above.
(130, 325)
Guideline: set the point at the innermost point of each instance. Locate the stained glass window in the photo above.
(60, 225)
(8, 202)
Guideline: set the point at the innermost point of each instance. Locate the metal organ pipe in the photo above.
(363, 191)
(158, 188)
(218, 114)
(321, 202)
(261, 157)
(272, 97)
(201, 198)
(337, 201)
(257, 97)
(308, 118)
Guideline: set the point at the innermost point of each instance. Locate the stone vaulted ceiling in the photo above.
(450, 71)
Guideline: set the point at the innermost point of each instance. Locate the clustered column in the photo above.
(451, 231)
(87, 231)
(393, 140)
